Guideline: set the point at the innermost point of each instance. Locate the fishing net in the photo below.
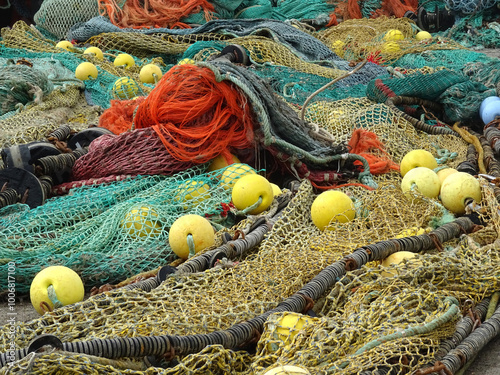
(36, 121)
(397, 134)
(111, 223)
(61, 64)
(140, 152)
(421, 294)
(109, 231)
(56, 16)
(358, 39)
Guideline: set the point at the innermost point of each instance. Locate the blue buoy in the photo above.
(486, 101)
(490, 112)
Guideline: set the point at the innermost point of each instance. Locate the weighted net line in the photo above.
(236, 335)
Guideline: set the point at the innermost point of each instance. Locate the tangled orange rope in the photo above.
(367, 145)
(350, 9)
(153, 13)
(196, 117)
(118, 118)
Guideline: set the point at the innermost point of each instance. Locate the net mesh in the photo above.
(122, 226)
(361, 307)
(116, 226)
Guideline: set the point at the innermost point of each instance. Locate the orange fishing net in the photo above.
(350, 9)
(153, 13)
(367, 145)
(196, 117)
(118, 118)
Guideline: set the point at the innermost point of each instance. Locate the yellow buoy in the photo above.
(124, 60)
(85, 71)
(186, 61)
(190, 229)
(193, 192)
(390, 48)
(64, 44)
(423, 35)
(287, 370)
(150, 73)
(56, 281)
(141, 222)
(125, 88)
(332, 206)
(94, 51)
(393, 35)
(249, 189)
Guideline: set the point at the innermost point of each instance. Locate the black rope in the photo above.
(462, 330)
(58, 165)
(492, 134)
(470, 165)
(61, 133)
(9, 196)
(395, 101)
(473, 344)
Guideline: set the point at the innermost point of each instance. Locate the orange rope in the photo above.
(363, 143)
(118, 118)
(202, 118)
(354, 9)
(154, 13)
(350, 9)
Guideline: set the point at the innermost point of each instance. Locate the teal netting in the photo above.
(450, 59)
(295, 87)
(107, 233)
(462, 101)
(60, 68)
(477, 30)
(368, 7)
(460, 96)
(424, 86)
(19, 84)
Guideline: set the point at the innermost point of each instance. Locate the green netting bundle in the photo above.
(462, 100)
(20, 84)
(107, 233)
(449, 59)
(423, 86)
(295, 86)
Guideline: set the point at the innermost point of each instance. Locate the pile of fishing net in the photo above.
(355, 324)
(273, 289)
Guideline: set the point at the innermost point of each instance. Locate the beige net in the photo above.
(422, 294)
(356, 39)
(36, 121)
(397, 134)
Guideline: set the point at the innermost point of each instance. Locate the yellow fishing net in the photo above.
(363, 306)
(397, 134)
(422, 297)
(37, 120)
(357, 39)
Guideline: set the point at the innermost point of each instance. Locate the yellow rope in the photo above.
(469, 138)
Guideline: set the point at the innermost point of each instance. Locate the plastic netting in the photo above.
(421, 298)
(96, 231)
(35, 121)
(60, 65)
(369, 320)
